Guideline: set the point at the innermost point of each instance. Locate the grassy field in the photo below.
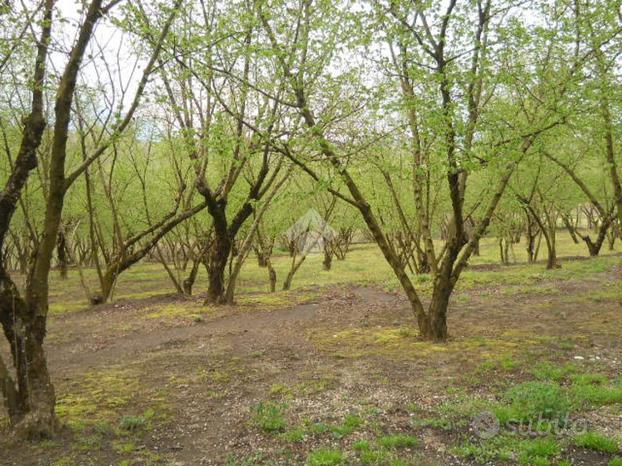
(364, 265)
(333, 373)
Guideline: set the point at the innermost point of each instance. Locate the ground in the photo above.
(332, 372)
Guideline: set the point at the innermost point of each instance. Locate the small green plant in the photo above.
(589, 379)
(532, 400)
(538, 452)
(132, 423)
(499, 448)
(326, 457)
(269, 417)
(295, 435)
(617, 461)
(397, 441)
(373, 457)
(596, 394)
(547, 371)
(280, 390)
(361, 445)
(349, 425)
(597, 442)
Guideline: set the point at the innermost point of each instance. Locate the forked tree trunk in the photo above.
(217, 263)
(188, 282)
(594, 247)
(287, 284)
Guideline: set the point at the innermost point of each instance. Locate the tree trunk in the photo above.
(595, 246)
(61, 250)
(217, 263)
(436, 328)
(31, 398)
(571, 229)
(328, 257)
(188, 283)
(271, 275)
(287, 284)
(551, 261)
(261, 257)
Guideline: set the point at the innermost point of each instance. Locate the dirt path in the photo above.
(94, 340)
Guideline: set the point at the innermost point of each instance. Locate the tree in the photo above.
(301, 57)
(212, 98)
(30, 397)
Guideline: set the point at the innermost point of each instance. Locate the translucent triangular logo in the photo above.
(310, 233)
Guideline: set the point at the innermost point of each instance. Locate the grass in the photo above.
(364, 264)
(597, 442)
(101, 407)
(397, 441)
(269, 417)
(538, 451)
(533, 400)
(505, 447)
(326, 457)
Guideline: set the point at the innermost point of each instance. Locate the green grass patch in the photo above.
(397, 441)
(269, 417)
(533, 400)
(326, 457)
(597, 442)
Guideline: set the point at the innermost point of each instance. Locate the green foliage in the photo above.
(553, 372)
(531, 400)
(538, 452)
(596, 394)
(349, 425)
(326, 457)
(499, 448)
(597, 442)
(397, 441)
(269, 417)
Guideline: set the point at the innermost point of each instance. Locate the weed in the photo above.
(596, 394)
(326, 457)
(538, 451)
(532, 400)
(397, 441)
(269, 417)
(553, 372)
(349, 425)
(295, 435)
(597, 442)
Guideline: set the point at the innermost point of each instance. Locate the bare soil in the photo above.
(350, 350)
